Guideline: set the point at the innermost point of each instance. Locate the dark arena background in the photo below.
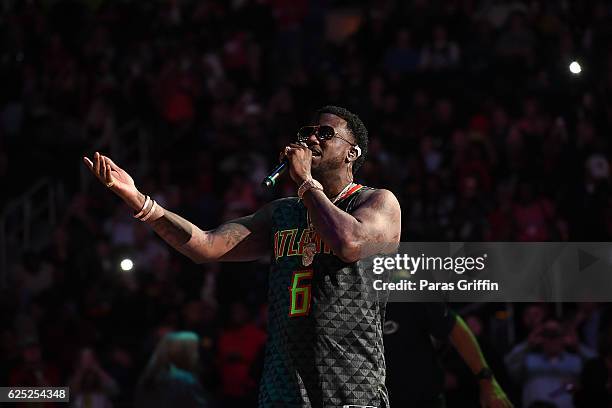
(489, 120)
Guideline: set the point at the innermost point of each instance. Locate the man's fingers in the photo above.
(286, 152)
(106, 170)
(102, 168)
(88, 163)
(292, 148)
(97, 164)
(112, 164)
(298, 146)
(109, 176)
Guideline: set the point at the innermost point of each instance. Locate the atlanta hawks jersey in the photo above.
(325, 346)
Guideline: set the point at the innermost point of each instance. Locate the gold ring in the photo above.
(110, 184)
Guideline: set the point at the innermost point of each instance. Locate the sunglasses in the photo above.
(322, 132)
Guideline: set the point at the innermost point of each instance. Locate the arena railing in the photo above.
(28, 220)
(36, 208)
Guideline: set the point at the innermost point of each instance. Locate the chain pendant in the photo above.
(308, 253)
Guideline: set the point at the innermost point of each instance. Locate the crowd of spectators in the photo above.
(475, 122)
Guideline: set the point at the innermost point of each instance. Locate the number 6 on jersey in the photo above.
(300, 294)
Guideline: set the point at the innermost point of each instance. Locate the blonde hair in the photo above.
(174, 350)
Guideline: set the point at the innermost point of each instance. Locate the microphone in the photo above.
(271, 178)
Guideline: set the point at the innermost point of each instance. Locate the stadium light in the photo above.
(575, 68)
(126, 264)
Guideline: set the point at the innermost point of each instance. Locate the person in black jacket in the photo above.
(415, 377)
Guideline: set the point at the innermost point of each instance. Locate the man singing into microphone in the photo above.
(325, 346)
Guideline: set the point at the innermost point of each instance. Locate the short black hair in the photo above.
(357, 128)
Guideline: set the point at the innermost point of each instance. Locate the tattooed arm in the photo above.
(372, 227)
(242, 239)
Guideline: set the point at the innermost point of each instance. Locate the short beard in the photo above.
(327, 167)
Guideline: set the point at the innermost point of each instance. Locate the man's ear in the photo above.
(354, 153)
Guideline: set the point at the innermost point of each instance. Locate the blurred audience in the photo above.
(475, 121)
(171, 375)
(548, 364)
(239, 345)
(90, 385)
(33, 370)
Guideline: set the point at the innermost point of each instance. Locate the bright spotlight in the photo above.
(127, 265)
(575, 68)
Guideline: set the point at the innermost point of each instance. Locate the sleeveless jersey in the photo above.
(325, 344)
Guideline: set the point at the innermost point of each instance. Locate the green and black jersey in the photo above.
(325, 346)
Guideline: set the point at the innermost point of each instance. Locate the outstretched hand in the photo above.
(115, 178)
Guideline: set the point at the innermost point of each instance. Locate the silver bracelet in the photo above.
(150, 213)
(142, 210)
